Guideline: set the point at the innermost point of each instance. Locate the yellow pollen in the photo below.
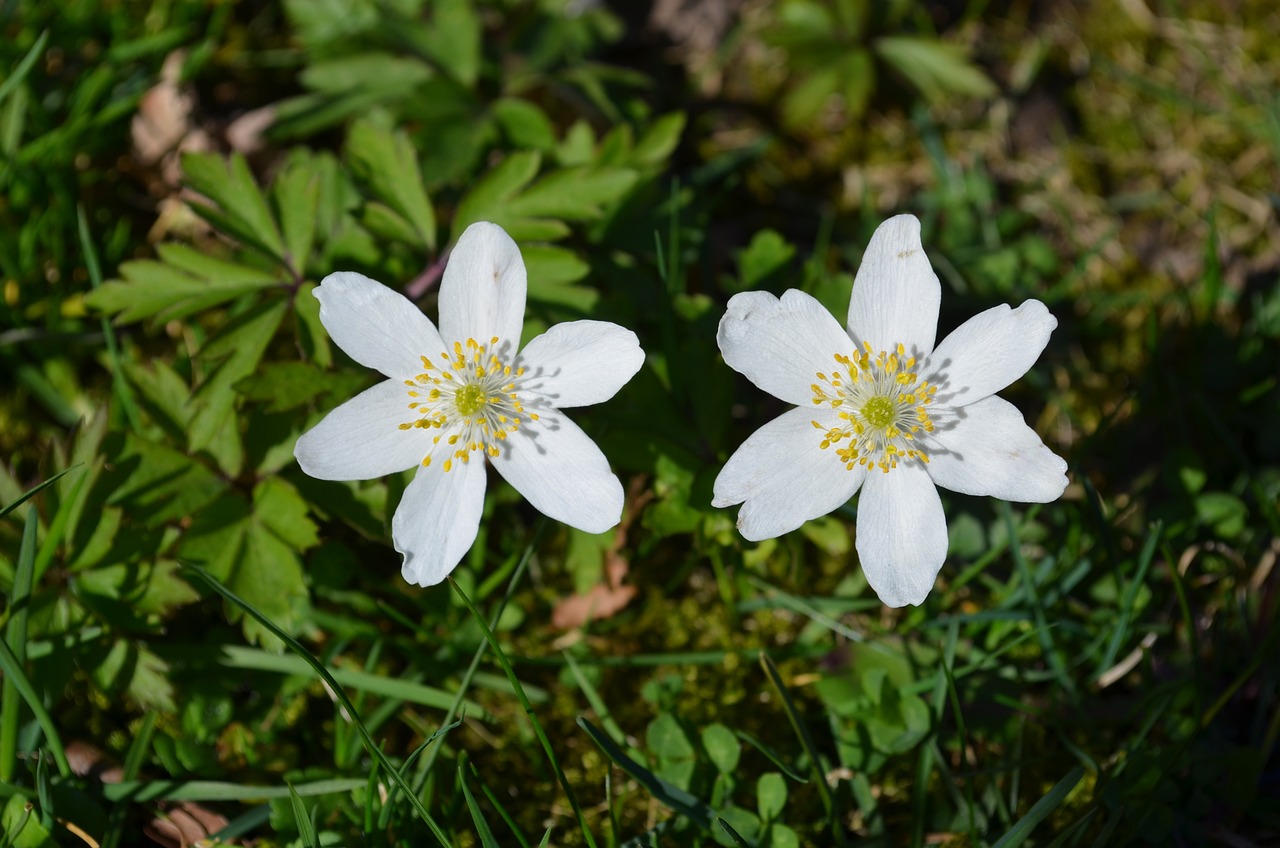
(881, 404)
(470, 397)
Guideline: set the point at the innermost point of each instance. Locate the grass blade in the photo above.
(672, 797)
(33, 491)
(477, 816)
(306, 828)
(806, 741)
(13, 672)
(528, 710)
(1041, 810)
(338, 692)
(118, 383)
(24, 67)
(16, 635)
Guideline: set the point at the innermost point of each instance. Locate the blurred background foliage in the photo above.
(175, 178)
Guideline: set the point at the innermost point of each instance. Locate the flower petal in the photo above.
(362, 439)
(902, 534)
(987, 449)
(780, 345)
(562, 473)
(437, 519)
(483, 291)
(375, 326)
(988, 352)
(896, 293)
(580, 362)
(783, 478)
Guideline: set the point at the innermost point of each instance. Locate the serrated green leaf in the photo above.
(803, 102)
(547, 265)
(297, 197)
(240, 345)
(387, 162)
(283, 511)
(573, 194)
(453, 39)
(858, 76)
(488, 199)
(658, 142)
(240, 206)
(162, 394)
(578, 146)
(235, 545)
(526, 126)
(288, 385)
(937, 68)
(381, 72)
(312, 335)
(156, 484)
(172, 288)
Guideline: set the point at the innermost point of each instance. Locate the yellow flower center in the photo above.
(881, 403)
(471, 397)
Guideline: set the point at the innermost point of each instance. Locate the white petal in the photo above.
(988, 352)
(780, 345)
(987, 449)
(437, 519)
(783, 478)
(562, 473)
(375, 326)
(580, 362)
(361, 439)
(896, 294)
(902, 534)
(482, 294)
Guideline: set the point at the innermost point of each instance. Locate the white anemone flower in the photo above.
(459, 395)
(882, 410)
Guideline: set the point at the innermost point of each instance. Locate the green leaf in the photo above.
(572, 194)
(936, 68)
(181, 283)
(297, 196)
(288, 385)
(283, 511)
(453, 39)
(163, 395)
(387, 162)
(156, 484)
(254, 551)
(658, 142)
(763, 263)
(383, 73)
(771, 795)
(666, 738)
(214, 427)
(803, 102)
(20, 824)
(722, 747)
(240, 209)
(488, 198)
(858, 73)
(133, 668)
(526, 126)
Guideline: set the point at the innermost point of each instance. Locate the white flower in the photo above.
(458, 395)
(882, 409)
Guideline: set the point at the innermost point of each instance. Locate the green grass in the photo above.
(190, 620)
